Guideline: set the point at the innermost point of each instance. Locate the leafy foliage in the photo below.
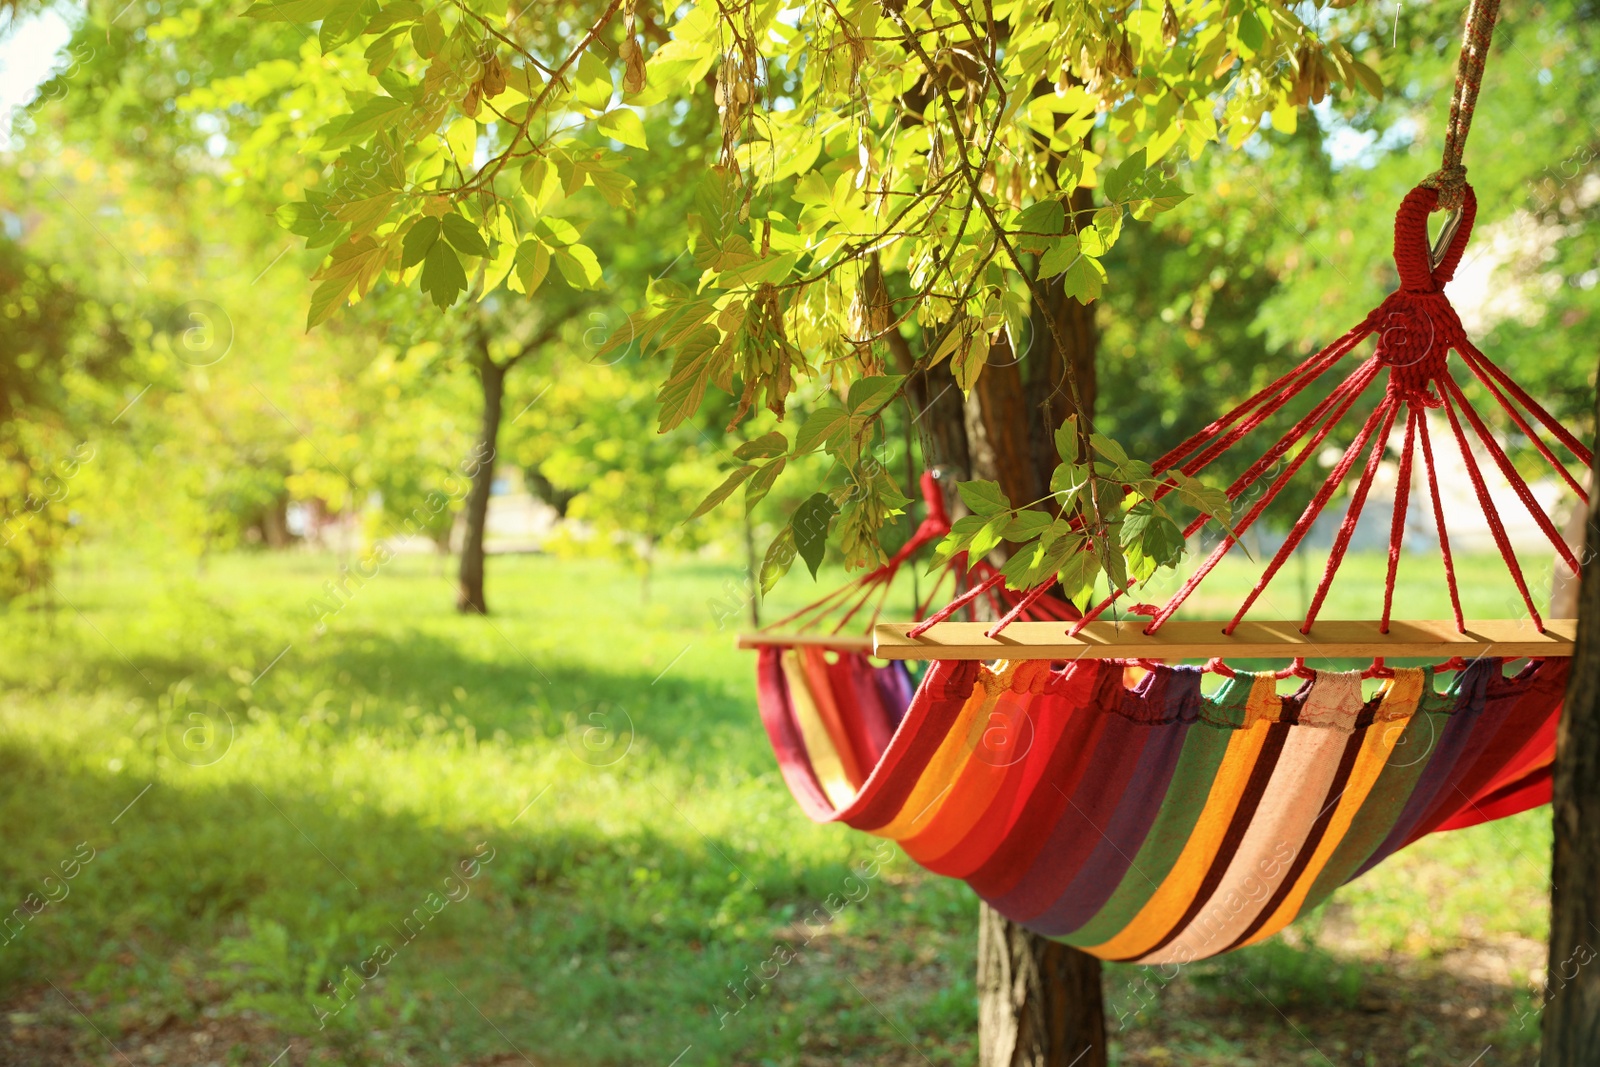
(878, 169)
(1106, 515)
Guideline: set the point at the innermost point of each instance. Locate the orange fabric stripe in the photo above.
(971, 794)
(1177, 891)
(933, 790)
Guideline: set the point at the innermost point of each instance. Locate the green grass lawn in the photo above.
(279, 814)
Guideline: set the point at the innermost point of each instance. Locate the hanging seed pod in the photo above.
(1169, 24)
(493, 82)
(1301, 92)
(470, 102)
(1121, 56)
(633, 74)
(1063, 80)
(1319, 78)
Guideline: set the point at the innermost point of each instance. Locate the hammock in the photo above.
(1106, 801)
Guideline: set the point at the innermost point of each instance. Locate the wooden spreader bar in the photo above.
(1184, 639)
(835, 641)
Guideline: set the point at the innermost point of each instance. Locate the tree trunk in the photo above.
(1571, 1024)
(469, 584)
(1039, 1001)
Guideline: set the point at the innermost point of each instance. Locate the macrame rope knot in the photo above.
(1451, 184)
(1413, 342)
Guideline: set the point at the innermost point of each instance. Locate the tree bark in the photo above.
(1040, 1002)
(1571, 1023)
(469, 582)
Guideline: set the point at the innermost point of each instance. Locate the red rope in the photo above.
(1313, 509)
(1527, 431)
(1519, 486)
(1353, 387)
(1352, 514)
(1547, 420)
(956, 605)
(1397, 525)
(1438, 524)
(1495, 527)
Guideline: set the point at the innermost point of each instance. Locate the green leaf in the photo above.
(290, 10)
(953, 336)
(869, 394)
(1148, 532)
(1077, 574)
(623, 125)
(826, 426)
(1059, 255)
(992, 533)
(779, 558)
(1083, 279)
(593, 81)
(311, 219)
(343, 22)
(1067, 481)
(1027, 525)
(1036, 221)
(616, 187)
(394, 14)
(464, 235)
(1158, 197)
(578, 266)
(541, 182)
(1125, 177)
(764, 447)
(1067, 443)
(442, 276)
(723, 491)
(970, 363)
(761, 484)
(697, 362)
(373, 116)
(1368, 78)
(962, 531)
(533, 263)
(329, 297)
(1109, 448)
(810, 525)
(427, 36)
(462, 137)
(1252, 34)
(1108, 227)
(983, 497)
(418, 241)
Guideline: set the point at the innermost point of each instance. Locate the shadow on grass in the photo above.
(325, 921)
(1290, 1003)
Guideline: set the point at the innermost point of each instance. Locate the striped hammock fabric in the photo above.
(1152, 823)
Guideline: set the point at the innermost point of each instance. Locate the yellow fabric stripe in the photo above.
(938, 779)
(819, 746)
(1401, 695)
(1177, 891)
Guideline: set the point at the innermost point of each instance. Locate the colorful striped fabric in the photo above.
(1153, 824)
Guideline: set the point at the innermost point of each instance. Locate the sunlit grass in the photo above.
(601, 750)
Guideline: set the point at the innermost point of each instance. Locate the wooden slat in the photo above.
(1181, 639)
(838, 641)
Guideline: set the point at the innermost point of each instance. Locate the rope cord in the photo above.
(1451, 177)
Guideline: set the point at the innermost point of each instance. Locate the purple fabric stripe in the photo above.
(1093, 843)
(1473, 722)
